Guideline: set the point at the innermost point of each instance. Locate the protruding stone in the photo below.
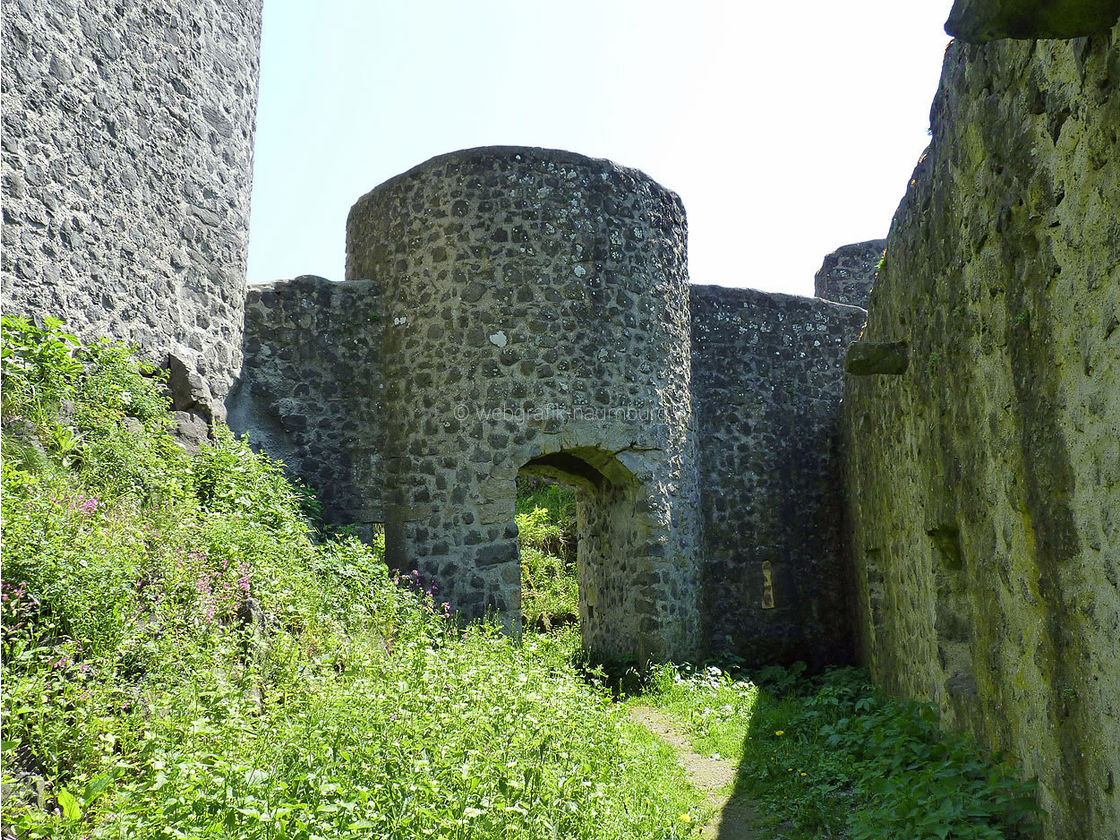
(867, 357)
(188, 390)
(190, 431)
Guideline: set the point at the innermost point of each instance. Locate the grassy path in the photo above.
(732, 819)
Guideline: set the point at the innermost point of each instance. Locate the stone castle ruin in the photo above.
(516, 310)
(923, 476)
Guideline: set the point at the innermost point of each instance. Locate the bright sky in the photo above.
(788, 128)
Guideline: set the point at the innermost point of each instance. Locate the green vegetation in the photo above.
(184, 655)
(546, 533)
(829, 757)
(183, 658)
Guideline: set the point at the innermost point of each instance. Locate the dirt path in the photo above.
(733, 819)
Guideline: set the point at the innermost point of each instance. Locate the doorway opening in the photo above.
(617, 604)
(548, 547)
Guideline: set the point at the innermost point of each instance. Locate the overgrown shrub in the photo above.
(546, 535)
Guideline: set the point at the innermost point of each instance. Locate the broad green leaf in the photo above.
(71, 810)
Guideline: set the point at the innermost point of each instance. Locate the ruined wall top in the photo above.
(978, 21)
(848, 273)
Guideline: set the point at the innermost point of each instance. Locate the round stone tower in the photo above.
(535, 309)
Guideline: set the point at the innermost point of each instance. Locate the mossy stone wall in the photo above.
(984, 481)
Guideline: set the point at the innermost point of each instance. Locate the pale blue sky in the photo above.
(788, 129)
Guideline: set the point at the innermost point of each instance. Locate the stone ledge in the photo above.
(865, 358)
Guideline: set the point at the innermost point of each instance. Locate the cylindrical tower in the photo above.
(536, 317)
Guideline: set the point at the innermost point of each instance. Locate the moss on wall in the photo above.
(984, 482)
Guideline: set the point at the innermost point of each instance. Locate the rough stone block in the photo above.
(865, 358)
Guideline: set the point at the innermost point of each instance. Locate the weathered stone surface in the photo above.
(535, 311)
(984, 483)
(766, 383)
(868, 357)
(128, 132)
(979, 21)
(310, 391)
(190, 430)
(848, 273)
(189, 391)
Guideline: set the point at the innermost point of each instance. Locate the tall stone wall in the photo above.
(766, 383)
(310, 389)
(126, 167)
(984, 481)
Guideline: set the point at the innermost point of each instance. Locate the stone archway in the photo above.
(613, 530)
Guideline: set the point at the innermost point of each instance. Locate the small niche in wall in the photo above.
(947, 540)
(767, 586)
(874, 573)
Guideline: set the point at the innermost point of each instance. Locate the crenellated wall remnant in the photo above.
(310, 391)
(983, 480)
(848, 273)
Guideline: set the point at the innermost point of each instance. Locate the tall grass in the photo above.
(183, 658)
